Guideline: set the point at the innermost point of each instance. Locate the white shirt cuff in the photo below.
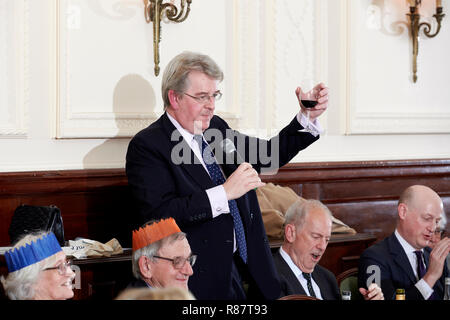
(424, 289)
(314, 127)
(218, 200)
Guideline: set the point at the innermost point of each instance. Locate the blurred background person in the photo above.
(439, 233)
(170, 293)
(38, 270)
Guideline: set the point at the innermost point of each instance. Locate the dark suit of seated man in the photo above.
(307, 233)
(403, 260)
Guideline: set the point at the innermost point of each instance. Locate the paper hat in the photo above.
(154, 232)
(31, 253)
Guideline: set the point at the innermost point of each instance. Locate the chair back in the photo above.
(348, 281)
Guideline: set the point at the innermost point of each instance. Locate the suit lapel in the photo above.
(291, 279)
(400, 258)
(194, 169)
(321, 283)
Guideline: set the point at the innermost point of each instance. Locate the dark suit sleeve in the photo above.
(269, 155)
(389, 275)
(151, 177)
(327, 283)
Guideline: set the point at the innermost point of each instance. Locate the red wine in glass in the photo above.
(308, 98)
(309, 104)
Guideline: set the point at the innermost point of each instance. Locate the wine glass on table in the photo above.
(309, 96)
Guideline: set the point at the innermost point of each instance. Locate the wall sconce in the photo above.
(416, 25)
(155, 11)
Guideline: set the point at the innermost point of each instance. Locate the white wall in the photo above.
(77, 79)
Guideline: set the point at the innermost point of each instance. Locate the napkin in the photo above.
(86, 248)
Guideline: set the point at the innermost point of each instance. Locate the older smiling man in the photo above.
(307, 232)
(162, 256)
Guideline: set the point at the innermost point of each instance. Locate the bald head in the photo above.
(416, 195)
(419, 211)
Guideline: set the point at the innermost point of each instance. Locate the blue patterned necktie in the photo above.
(422, 269)
(307, 276)
(218, 178)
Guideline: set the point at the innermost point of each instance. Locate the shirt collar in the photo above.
(186, 134)
(291, 264)
(405, 245)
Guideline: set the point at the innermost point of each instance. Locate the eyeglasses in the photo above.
(206, 98)
(179, 262)
(62, 267)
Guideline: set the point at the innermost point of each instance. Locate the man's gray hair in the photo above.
(297, 212)
(152, 250)
(176, 73)
(19, 285)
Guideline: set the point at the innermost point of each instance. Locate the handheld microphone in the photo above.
(228, 146)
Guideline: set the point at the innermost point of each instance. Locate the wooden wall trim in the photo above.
(22, 183)
(95, 202)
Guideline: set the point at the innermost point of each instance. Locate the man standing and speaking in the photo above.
(214, 203)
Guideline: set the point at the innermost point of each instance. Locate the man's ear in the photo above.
(144, 267)
(402, 211)
(289, 232)
(174, 99)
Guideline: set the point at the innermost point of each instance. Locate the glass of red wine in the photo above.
(308, 99)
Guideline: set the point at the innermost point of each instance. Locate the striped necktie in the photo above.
(307, 276)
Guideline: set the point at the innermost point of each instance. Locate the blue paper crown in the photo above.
(37, 250)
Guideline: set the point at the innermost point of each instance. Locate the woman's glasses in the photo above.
(62, 267)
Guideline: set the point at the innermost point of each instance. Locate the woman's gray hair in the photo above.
(297, 212)
(151, 250)
(176, 73)
(19, 285)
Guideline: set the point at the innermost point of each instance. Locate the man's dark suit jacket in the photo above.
(396, 271)
(164, 189)
(324, 278)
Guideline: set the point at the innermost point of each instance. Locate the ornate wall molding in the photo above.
(14, 78)
(407, 111)
(75, 119)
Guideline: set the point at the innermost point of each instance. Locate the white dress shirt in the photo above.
(421, 284)
(314, 126)
(299, 275)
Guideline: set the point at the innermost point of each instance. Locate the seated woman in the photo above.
(38, 270)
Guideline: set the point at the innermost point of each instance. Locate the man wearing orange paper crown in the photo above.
(162, 256)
